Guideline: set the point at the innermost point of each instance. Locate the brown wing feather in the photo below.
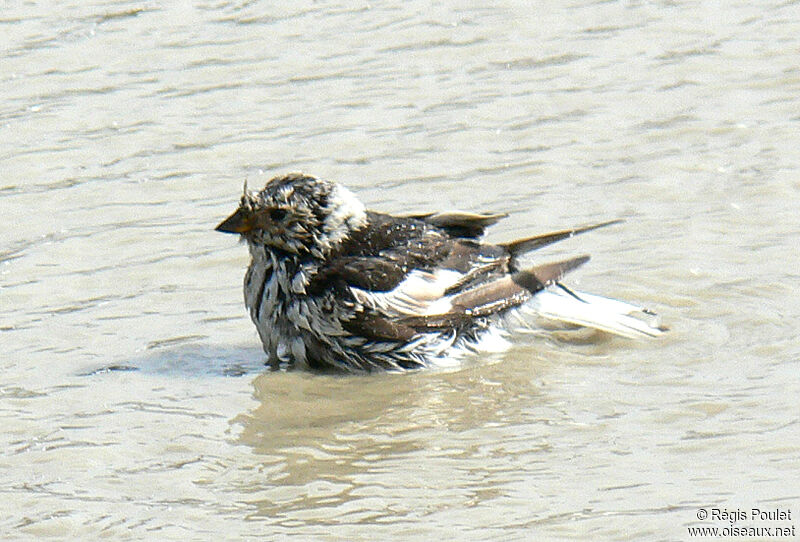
(497, 295)
(380, 256)
(461, 224)
(551, 272)
(522, 246)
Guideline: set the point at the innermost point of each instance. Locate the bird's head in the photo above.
(297, 214)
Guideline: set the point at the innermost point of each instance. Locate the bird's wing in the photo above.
(492, 296)
(521, 246)
(444, 298)
(400, 267)
(421, 303)
(380, 260)
(459, 223)
(407, 275)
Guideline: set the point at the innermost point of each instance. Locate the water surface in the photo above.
(126, 131)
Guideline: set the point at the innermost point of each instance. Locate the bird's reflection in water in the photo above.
(326, 439)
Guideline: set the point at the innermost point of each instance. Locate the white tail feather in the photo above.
(594, 311)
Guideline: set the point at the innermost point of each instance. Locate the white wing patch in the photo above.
(422, 293)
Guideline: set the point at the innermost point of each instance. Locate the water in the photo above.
(126, 131)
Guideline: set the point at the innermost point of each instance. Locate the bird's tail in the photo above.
(564, 305)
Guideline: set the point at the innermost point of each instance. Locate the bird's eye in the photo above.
(277, 214)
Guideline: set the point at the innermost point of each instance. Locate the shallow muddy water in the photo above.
(133, 400)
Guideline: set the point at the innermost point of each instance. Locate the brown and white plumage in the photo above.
(333, 285)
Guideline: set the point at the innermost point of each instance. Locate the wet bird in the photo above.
(332, 285)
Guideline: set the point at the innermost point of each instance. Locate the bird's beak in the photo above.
(238, 222)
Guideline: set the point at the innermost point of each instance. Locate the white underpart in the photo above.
(421, 293)
(594, 311)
